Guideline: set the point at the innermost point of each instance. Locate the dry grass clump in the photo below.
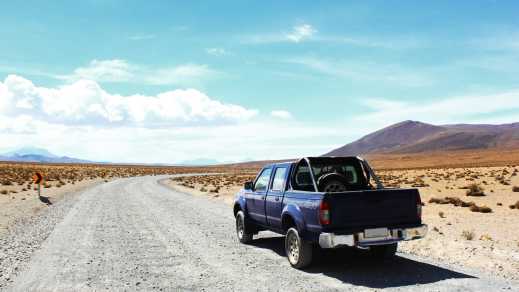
(485, 237)
(460, 203)
(474, 190)
(480, 209)
(468, 235)
(451, 200)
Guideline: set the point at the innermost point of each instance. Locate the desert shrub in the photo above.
(515, 206)
(474, 190)
(441, 214)
(480, 209)
(3, 192)
(485, 237)
(451, 200)
(203, 189)
(468, 235)
(437, 201)
(515, 189)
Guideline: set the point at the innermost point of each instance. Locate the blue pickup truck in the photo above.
(327, 202)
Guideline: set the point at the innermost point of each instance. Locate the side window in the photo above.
(302, 179)
(278, 182)
(263, 180)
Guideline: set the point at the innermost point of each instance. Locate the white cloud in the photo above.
(217, 51)
(117, 70)
(368, 71)
(301, 33)
(80, 118)
(84, 102)
(183, 74)
(471, 108)
(281, 114)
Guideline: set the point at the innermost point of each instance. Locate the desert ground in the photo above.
(460, 232)
(471, 200)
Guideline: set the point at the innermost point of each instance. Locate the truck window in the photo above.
(302, 179)
(263, 180)
(278, 183)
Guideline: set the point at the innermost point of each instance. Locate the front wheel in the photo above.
(386, 251)
(244, 235)
(299, 251)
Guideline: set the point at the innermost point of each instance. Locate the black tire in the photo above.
(332, 182)
(299, 252)
(386, 251)
(242, 229)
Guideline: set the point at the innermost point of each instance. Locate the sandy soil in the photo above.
(20, 201)
(484, 241)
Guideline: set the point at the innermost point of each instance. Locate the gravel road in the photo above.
(136, 234)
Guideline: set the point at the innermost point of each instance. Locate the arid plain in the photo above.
(471, 198)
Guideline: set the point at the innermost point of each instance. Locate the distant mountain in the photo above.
(30, 151)
(200, 162)
(414, 137)
(31, 154)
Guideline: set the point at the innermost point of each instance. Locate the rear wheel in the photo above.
(243, 233)
(298, 250)
(386, 251)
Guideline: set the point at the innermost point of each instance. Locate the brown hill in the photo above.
(417, 137)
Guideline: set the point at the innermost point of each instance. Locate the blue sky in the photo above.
(134, 81)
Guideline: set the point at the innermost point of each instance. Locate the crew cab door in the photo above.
(256, 199)
(274, 199)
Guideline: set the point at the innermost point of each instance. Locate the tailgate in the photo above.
(358, 210)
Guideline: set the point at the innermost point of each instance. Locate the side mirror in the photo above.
(248, 185)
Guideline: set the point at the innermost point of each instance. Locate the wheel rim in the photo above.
(239, 227)
(293, 248)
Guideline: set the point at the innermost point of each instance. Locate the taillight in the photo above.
(324, 213)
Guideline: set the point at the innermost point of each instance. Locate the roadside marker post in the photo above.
(38, 179)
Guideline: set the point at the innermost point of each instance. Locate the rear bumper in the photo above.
(331, 240)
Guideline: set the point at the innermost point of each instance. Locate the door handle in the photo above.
(277, 199)
(263, 197)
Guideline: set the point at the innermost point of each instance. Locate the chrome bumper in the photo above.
(331, 240)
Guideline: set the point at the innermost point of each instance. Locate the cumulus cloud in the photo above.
(86, 102)
(281, 114)
(118, 70)
(301, 32)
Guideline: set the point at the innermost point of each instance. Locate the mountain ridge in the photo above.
(416, 137)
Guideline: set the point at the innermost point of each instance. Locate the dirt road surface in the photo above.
(136, 234)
